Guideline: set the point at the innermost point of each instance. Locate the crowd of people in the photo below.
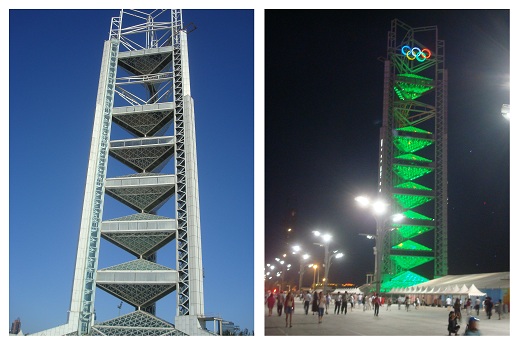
(318, 303)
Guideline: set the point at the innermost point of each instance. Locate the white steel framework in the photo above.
(144, 90)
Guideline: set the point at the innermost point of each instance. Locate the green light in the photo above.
(410, 145)
(411, 231)
(414, 76)
(410, 86)
(408, 262)
(414, 215)
(405, 279)
(413, 129)
(411, 201)
(407, 91)
(411, 245)
(399, 94)
(411, 172)
(413, 157)
(412, 185)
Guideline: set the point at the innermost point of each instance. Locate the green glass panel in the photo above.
(413, 129)
(408, 262)
(404, 279)
(412, 185)
(411, 201)
(410, 86)
(411, 231)
(411, 245)
(410, 145)
(414, 76)
(408, 91)
(414, 215)
(413, 157)
(411, 172)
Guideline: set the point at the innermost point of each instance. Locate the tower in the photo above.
(413, 156)
(143, 158)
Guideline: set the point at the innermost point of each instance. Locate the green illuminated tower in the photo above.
(413, 156)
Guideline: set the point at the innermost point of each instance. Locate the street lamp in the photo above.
(314, 277)
(379, 210)
(302, 259)
(326, 240)
(505, 111)
(334, 254)
(283, 266)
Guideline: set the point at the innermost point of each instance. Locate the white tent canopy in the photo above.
(474, 291)
(464, 290)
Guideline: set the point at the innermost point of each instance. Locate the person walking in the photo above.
(306, 302)
(344, 303)
(280, 299)
(448, 302)
(322, 301)
(270, 303)
(389, 304)
(468, 306)
(364, 300)
(328, 298)
(337, 303)
(456, 308)
(289, 308)
(488, 305)
(315, 302)
(376, 301)
(407, 303)
(498, 308)
(477, 305)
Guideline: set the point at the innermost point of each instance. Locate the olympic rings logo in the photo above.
(416, 53)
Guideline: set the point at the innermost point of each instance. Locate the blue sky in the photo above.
(54, 62)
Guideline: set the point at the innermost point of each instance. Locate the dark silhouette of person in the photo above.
(315, 302)
(453, 327)
(488, 305)
(344, 303)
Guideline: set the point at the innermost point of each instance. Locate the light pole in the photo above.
(379, 210)
(282, 272)
(334, 254)
(372, 236)
(302, 259)
(314, 277)
(328, 257)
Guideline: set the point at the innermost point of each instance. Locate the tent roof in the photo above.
(480, 281)
(474, 291)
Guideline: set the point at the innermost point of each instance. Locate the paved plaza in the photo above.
(424, 321)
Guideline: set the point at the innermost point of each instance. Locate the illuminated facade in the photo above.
(413, 156)
(143, 155)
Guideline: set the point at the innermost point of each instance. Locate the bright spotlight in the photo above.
(379, 207)
(505, 111)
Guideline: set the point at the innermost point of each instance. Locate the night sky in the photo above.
(323, 112)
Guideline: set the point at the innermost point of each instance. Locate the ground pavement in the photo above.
(423, 321)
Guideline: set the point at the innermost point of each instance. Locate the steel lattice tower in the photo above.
(144, 93)
(413, 156)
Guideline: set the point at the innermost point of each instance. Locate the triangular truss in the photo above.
(137, 323)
